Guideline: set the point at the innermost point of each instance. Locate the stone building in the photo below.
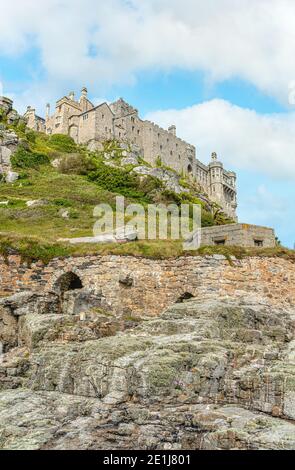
(33, 121)
(244, 235)
(89, 124)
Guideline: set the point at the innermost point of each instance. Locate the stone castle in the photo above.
(87, 123)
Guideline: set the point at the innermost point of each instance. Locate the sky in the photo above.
(222, 71)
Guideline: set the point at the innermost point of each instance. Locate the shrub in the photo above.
(62, 202)
(119, 181)
(207, 219)
(76, 164)
(62, 143)
(158, 162)
(23, 158)
(31, 136)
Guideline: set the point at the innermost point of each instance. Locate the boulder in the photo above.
(129, 160)
(95, 146)
(168, 177)
(37, 203)
(11, 177)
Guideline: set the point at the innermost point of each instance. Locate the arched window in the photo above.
(189, 169)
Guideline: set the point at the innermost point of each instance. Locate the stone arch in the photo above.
(67, 282)
(185, 296)
(74, 132)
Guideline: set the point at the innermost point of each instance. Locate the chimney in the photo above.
(84, 92)
(172, 129)
(72, 96)
(47, 111)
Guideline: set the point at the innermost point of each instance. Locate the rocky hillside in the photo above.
(211, 374)
(49, 186)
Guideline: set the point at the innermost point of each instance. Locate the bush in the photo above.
(62, 143)
(31, 136)
(23, 158)
(76, 164)
(118, 180)
(207, 219)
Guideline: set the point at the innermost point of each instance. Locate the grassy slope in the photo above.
(34, 231)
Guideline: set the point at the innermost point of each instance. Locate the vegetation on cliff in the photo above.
(62, 175)
(59, 185)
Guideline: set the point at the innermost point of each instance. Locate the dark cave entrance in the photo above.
(184, 297)
(69, 281)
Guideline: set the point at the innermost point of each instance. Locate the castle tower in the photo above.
(172, 129)
(85, 104)
(47, 111)
(216, 178)
(84, 93)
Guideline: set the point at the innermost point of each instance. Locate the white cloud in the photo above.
(265, 207)
(225, 38)
(243, 138)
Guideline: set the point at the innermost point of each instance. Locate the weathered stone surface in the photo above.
(64, 422)
(158, 284)
(37, 203)
(208, 373)
(8, 144)
(169, 178)
(120, 236)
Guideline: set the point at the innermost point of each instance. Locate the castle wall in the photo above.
(173, 151)
(158, 284)
(130, 128)
(65, 109)
(33, 121)
(87, 126)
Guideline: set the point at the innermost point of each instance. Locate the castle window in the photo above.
(219, 242)
(133, 128)
(171, 153)
(167, 140)
(138, 132)
(158, 136)
(179, 156)
(161, 147)
(189, 168)
(258, 243)
(102, 116)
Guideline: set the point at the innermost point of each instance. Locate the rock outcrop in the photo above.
(212, 374)
(8, 144)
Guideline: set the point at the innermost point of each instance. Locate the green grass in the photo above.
(82, 182)
(32, 249)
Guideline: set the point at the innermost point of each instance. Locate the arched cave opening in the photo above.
(184, 297)
(69, 281)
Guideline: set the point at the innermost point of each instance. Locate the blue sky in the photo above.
(221, 71)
